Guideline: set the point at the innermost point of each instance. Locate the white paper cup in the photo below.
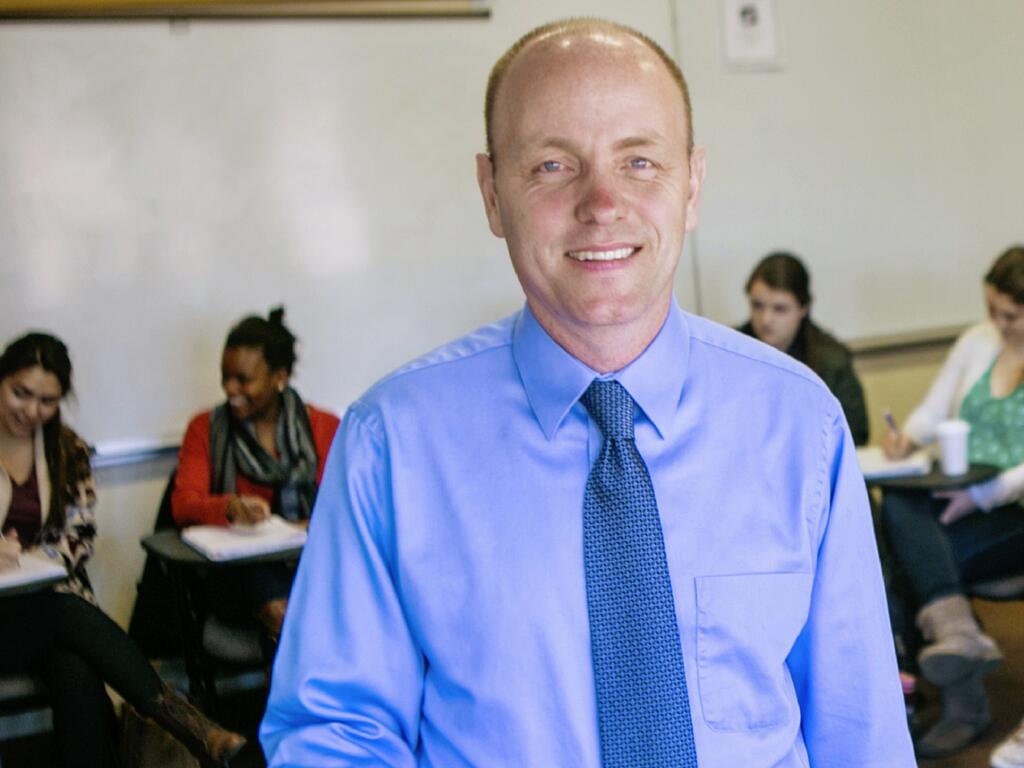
(953, 446)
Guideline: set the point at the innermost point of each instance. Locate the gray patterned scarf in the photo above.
(234, 449)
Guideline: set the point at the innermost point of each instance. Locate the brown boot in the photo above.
(211, 745)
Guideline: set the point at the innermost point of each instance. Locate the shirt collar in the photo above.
(554, 379)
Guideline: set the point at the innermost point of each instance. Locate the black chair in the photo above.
(219, 657)
(24, 707)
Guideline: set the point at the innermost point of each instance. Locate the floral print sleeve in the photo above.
(76, 541)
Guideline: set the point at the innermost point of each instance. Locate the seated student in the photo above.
(944, 540)
(260, 453)
(46, 508)
(780, 315)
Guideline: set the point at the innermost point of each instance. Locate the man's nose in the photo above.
(601, 202)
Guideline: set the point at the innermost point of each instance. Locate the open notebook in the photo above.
(219, 543)
(875, 466)
(33, 568)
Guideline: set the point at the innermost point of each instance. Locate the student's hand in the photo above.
(10, 551)
(248, 510)
(896, 445)
(960, 505)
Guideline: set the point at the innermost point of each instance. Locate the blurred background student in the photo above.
(259, 453)
(59, 633)
(945, 540)
(779, 292)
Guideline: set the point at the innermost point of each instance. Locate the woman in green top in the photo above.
(945, 540)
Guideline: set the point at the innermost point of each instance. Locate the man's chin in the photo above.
(626, 309)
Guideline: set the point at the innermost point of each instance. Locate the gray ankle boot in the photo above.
(965, 717)
(958, 648)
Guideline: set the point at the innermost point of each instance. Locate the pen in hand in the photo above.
(10, 551)
(895, 445)
(891, 422)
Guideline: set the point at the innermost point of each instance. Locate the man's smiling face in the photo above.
(591, 183)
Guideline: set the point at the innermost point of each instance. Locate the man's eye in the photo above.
(641, 163)
(551, 166)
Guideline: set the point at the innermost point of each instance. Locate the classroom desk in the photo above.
(187, 570)
(25, 588)
(936, 480)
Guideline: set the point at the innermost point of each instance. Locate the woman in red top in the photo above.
(260, 453)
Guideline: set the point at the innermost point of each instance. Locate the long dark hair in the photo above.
(49, 353)
(784, 272)
(1007, 273)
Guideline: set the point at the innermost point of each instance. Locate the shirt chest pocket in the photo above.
(746, 627)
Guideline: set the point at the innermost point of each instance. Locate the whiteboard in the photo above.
(159, 181)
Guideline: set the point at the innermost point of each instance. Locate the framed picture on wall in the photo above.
(227, 9)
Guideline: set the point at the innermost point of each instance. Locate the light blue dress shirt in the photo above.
(439, 616)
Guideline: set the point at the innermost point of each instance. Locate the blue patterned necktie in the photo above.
(643, 710)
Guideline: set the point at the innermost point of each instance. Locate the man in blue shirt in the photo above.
(443, 614)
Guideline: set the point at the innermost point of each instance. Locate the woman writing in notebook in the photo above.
(261, 452)
(945, 540)
(58, 633)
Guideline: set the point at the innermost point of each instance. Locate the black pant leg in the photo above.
(82, 712)
(989, 545)
(117, 660)
(921, 544)
(236, 594)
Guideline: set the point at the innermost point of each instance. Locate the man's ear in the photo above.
(485, 178)
(696, 185)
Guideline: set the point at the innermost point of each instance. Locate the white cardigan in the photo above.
(973, 353)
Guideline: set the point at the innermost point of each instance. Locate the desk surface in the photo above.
(936, 480)
(167, 545)
(27, 587)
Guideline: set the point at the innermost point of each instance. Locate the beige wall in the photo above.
(897, 380)
(126, 510)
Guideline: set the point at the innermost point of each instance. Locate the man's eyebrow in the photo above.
(534, 144)
(568, 145)
(631, 142)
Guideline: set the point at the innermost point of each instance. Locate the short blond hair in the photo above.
(500, 68)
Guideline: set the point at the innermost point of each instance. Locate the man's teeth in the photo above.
(618, 253)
